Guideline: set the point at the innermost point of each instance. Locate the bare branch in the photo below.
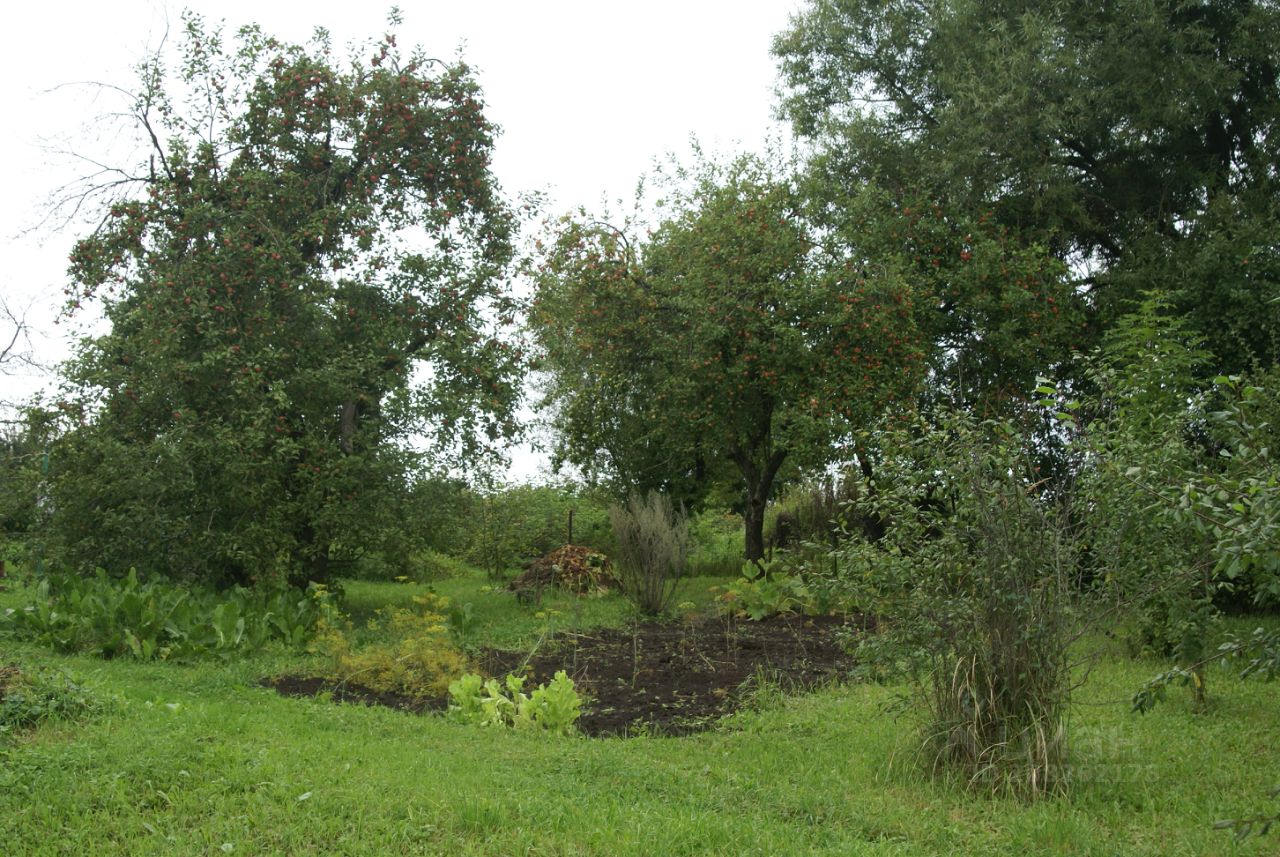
(18, 350)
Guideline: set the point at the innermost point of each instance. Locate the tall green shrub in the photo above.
(971, 582)
(1177, 491)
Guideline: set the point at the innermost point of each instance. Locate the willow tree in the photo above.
(305, 268)
(1136, 141)
(724, 334)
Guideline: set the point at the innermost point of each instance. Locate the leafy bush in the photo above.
(653, 544)
(1179, 494)
(811, 511)
(972, 590)
(439, 512)
(716, 544)
(553, 707)
(1236, 505)
(1133, 444)
(758, 595)
(409, 651)
(523, 522)
(29, 697)
(12, 553)
(430, 565)
(417, 564)
(159, 619)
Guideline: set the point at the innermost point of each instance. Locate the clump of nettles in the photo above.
(408, 650)
(29, 697)
(553, 707)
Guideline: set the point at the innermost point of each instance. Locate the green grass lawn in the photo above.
(197, 759)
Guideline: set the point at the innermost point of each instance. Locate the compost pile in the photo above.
(572, 567)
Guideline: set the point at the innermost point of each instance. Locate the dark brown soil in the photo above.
(671, 679)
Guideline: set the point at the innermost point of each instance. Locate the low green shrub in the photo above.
(553, 707)
(757, 595)
(521, 522)
(409, 651)
(814, 510)
(13, 552)
(159, 619)
(756, 598)
(29, 697)
(430, 565)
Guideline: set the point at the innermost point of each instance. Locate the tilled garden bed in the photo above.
(664, 678)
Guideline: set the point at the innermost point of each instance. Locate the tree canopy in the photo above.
(1137, 141)
(306, 268)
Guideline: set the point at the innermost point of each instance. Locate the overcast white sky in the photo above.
(588, 94)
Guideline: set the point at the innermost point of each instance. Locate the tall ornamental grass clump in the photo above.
(971, 581)
(653, 546)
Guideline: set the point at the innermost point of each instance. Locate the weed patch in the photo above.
(30, 697)
(406, 651)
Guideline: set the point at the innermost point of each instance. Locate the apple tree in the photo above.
(727, 334)
(305, 269)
